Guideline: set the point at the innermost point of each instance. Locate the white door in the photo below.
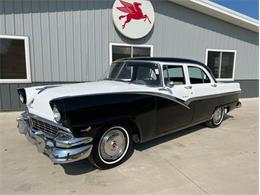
(203, 88)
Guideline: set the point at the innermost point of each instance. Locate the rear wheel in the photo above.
(112, 147)
(217, 118)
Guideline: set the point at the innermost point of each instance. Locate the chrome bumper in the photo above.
(59, 151)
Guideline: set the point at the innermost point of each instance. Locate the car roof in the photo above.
(165, 59)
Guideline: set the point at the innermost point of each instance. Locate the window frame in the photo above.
(234, 62)
(175, 65)
(27, 60)
(111, 44)
(202, 70)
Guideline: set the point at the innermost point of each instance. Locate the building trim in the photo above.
(27, 60)
(234, 63)
(125, 44)
(215, 10)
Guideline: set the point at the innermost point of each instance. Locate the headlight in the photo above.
(21, 98)
(56, 114)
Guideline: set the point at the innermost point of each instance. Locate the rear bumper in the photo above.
(68, 151)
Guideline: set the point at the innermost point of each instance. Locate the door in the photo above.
(172, 113)
(203, 89)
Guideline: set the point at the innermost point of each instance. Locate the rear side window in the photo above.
(173, 74)
(197, 75)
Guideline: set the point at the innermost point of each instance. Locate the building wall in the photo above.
(69, 40)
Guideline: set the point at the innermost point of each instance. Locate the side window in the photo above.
(173, 74)
(146, 73)
(205, 77)
(197, 75)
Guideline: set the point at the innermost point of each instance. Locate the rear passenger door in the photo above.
(202, 88)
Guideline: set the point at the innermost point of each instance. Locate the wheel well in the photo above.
(136, 135)
(227, 108)
(223, 106)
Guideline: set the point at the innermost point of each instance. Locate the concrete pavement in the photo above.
(198, 160)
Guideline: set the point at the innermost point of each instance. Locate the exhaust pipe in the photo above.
(238, 105)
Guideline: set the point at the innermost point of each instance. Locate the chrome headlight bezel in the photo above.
(56, 114)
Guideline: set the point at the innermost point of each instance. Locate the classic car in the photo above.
(141, 99)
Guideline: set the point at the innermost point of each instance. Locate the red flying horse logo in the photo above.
(133, 12)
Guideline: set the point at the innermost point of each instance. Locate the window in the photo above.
(118, 51)
(197, 75)
(222, 63)
(14, 59)
(136, 72)
(173, 74)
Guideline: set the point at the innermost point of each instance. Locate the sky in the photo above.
(246, 7)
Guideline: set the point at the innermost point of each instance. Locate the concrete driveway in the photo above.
(198, 160)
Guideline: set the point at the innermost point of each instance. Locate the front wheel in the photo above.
(113, 145)
(217, 118)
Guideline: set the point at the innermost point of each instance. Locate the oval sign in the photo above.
(133, 18)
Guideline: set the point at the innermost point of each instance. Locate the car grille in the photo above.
(47, 129)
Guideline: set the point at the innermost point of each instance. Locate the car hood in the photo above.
(38, 98)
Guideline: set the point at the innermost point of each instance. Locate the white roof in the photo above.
(215, 10)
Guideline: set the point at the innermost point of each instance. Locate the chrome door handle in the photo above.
(188, 87)
(214, 85)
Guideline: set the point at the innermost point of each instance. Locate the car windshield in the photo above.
(136, 72)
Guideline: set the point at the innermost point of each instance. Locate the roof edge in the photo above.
(218, 11)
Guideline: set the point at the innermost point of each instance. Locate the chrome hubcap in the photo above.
(217, 116)
(112, 145)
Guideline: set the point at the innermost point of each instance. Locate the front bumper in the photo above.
(59, 151)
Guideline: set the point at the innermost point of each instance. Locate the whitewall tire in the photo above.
(217, 118)
(112, 147)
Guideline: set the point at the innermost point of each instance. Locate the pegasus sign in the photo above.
(133, 18)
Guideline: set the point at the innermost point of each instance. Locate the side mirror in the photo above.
(170, 84)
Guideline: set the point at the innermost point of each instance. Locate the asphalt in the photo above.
(197, 160)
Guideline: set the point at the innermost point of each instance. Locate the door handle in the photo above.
(188, 87)
(214, 85)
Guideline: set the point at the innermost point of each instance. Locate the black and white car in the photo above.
(141, 99)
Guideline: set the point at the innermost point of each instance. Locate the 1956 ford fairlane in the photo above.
(141, 99)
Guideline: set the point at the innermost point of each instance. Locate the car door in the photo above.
(172, 113)
(203, 88)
